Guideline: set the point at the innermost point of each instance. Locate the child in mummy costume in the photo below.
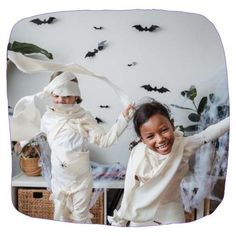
(157, 165)
(69, 128)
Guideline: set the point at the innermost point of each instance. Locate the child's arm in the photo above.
(100, 137)
(215, 131)
(128, 112)
(192, 143)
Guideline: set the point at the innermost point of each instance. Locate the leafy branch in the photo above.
(197, 110)
(201, 109)
(28, 48)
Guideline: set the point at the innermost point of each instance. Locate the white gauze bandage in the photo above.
(30, 65)
(26, 115)
(62, 85)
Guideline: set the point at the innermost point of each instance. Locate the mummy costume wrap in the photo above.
(69, 128)
(68, 132)
(152, 184)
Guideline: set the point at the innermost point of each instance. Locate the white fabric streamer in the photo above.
(30, 65)
(26, 114)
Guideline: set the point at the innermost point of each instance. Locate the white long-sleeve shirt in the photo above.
(152, 184)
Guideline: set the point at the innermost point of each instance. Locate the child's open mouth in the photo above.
(163, 148)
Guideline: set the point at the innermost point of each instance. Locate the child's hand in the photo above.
(128, 111)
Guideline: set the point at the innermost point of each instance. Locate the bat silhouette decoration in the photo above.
(100, 47)
(98, 28)
(104, 106)
(132, 64)
(150, 29)
(149, 88)
(91, 54)
(40, 22)
(99, 120)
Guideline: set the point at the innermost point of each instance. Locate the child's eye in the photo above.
(164, 130)
(149, 137)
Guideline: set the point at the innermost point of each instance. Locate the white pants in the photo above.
(72, 187)
(72, 207)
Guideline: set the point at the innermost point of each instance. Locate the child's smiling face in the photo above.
(158, 134)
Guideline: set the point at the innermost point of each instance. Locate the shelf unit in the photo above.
(23, 181)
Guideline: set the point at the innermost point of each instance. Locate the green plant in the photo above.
(28, 48)
(196, 111)
(202, 109)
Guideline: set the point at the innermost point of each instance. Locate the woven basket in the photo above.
(98, 210)
(36, 203)
(30, 166)
(29, 159)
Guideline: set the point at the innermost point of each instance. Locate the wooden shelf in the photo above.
(22, 180)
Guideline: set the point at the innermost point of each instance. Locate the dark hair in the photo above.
(143, 114)
(55, 74)
(146, 110)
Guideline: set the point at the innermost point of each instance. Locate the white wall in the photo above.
(186, 51)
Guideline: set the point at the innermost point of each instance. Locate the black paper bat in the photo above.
(104, 106)
(101, 46)
(132, 64)
(149, 88)
(150, 29)
(99, 120)
(91, 54)
(98, 28)
(40, 22)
